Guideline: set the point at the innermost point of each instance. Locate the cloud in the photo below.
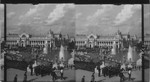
(59, 12)
(78, 15)
(32, 15)
(93, 19)
(147, 15)
(1, 28)
(147, 19)
(102, 20)
(10, 14)
(1, 20)
(1, 6)
(33, 11)
(126, 13)
(37, 17)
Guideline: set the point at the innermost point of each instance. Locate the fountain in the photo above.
(61, 54)
(2, 60)
(130, 54)
(73, 54)
(34, 65)
(123, 66)
(113, 51)
(55, 65)
(71, 60)
(102, 66)
(139, 61)
(45, 48)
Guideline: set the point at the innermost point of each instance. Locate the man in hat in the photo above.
(93, 78)
(31, 68)
(83, 79)
(15, 79)
(61, 72)
(129, 73)
(99, 70)
(25, 77)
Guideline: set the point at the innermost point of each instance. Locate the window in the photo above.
(23, 36)
(91, 36)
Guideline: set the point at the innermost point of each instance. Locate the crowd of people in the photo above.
(43, 70)
(85, 65)
(110, 71)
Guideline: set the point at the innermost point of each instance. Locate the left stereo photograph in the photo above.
(39, 42)
(2, 52)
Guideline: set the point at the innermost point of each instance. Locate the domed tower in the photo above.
(119, 39)
(119, 35)
(60, 35)
(67, 37)
(135, 37)
(128, 36)
(50, 39)
(50, 34)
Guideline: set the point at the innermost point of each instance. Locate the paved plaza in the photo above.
(69, 76)
(1, 75)
(136, 75)
(147, 75)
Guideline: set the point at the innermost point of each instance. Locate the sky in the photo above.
(76, 19)
(147, 19)
(38, 19)
(107, 19)
(1, 19)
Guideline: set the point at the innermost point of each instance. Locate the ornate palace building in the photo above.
(93, 40)
(147, 40)
(25, 39)
(81, 40)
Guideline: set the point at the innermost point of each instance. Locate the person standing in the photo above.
(109, 71)
(15, 79)
(31, 68)
(99, 71)
(25, 77)
(121, 75)
(129, 73)
(53, 77)
(103, 71)
(93, 78)
(83, 79)
(61, 72)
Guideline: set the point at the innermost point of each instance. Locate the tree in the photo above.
(71, 45)
(139, 46)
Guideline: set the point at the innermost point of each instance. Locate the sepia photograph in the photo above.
(40, 42)
(147, 42)
(1, 41)
(108, 43)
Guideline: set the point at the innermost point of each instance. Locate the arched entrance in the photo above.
(91, 40)
(24, 39)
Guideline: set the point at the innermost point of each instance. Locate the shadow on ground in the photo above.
(101, 80)
(32, 80)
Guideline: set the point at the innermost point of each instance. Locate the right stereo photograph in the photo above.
(147, 42)
(108, 43)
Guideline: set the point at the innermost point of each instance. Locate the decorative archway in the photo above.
(24, 39)
(91, 40)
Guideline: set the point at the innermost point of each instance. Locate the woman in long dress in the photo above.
(93, 78)
(25, 77)
(28, 69)
(96, 71)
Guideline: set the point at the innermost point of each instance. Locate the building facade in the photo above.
(93, 40)
(147, 40)
(81, 40)
(24, 39)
